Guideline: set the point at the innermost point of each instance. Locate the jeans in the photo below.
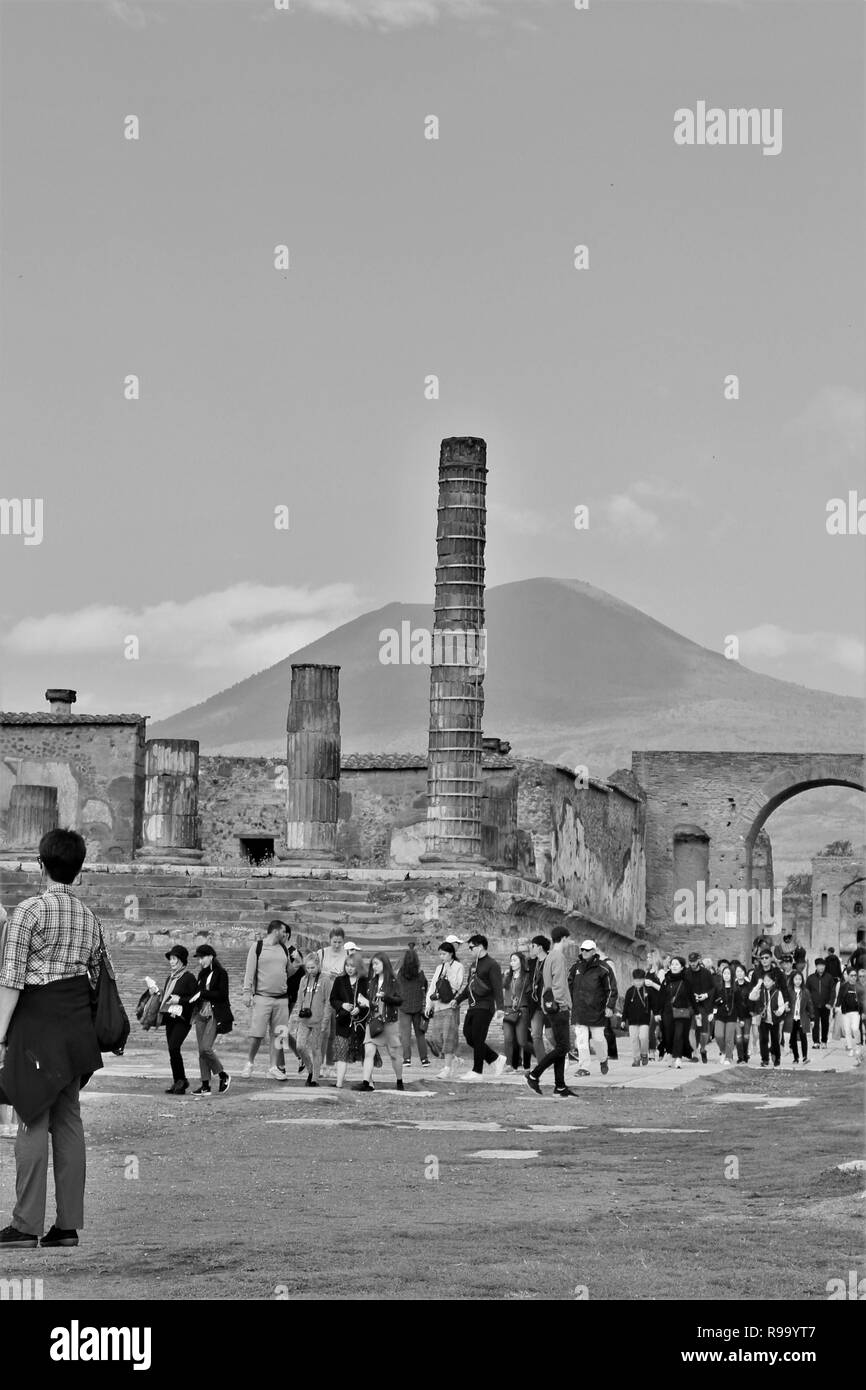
(176, 1030)
(822, 1020)
(582, 1034)
(799, 1032)
(209, 1063)
(536, 1029)
(475, 1029)
(560, 1036)
(63, 1122)
(768, 1035)
(744, 1033)
(516, 1039)
(726, 1034)
(408, 1022)
(639, 1034)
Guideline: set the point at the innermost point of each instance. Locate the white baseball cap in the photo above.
(454, 940)
(588, 946)
(351, 946)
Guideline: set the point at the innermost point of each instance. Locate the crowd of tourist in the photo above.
(331, 1008)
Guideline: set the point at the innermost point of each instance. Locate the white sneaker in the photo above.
(470, 1076)
(510, 1071)
(276, 1075)
(445, 1074)
(499, 1065)
(247, 1069)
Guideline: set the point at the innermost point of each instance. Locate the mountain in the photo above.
(573, 675)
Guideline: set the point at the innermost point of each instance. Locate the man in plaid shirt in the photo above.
(50, 954)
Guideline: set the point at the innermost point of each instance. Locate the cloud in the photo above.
(630, 519)
(832, 426)
(234, 631)
(518, 521)
(130, 14)
(406, 14)
(823, 648)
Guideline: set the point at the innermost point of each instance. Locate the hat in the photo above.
(588, 945)
(204, 950)
(454, 940)
(351, 946)
(180, 951)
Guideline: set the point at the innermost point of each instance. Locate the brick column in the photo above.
(313, 764)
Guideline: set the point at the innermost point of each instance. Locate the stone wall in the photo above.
(840, 878)
(729, 796)
(95, 762)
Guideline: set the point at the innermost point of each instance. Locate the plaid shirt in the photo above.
(52, 936)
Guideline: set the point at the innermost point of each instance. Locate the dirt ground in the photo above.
(278, 1191)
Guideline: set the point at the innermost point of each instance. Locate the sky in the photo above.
(409, 257)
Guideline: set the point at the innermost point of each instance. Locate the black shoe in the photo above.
(692, 1058)
(563, 1091)
(533, 1084)
(426, 1062)
(177, 1088)
(765, 1064)
(203, 1089)
(225, 1081)
(574, 1056)
(603, 1066)
(11, 1236)
(363, 1086)
(310, 1082)
(703, 1056)
(400, 1086)
(57, 1236)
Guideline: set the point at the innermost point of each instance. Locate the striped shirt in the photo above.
(49, 937)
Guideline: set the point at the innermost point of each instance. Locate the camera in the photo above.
(305, 1013)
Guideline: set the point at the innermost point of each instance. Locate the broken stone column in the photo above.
(170, 830)
(32, 813)
(313, 764)
(458, 658)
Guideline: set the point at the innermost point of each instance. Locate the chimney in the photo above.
(61, 701)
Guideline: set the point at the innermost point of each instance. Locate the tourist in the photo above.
(743, 1012)
(556, 1004)
(766, 965)
(657, 967)
(724, 1016)
(772, 1006)
(800, 1015)
(539, 947)
(383, 1026)
(350, 1005)
(609, 1034)
(332, 963)
(822, 990)
(677, 1010)
(175, 1013)
(834, 965)
(593, 996)
(266, 994)
(443, 1011)
(515, 1021)
(51, 952)
(311, 1014)
(412, 984)
(210, 1012)
(483, 989)
(861, 990)
(637, 1015)
(849, 1006)
(700, 980)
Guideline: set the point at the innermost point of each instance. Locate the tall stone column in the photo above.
(458, 658)
(170, 830)
(313, 764)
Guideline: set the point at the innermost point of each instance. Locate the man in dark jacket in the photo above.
(833, 964)
(766, 965)
(483, 989)
(593, 996)
(703, 989)
(822, 988)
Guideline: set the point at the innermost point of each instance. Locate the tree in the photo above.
(838, 847)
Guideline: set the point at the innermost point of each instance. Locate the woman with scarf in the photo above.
(175, 1013)
(351, 1007)
(516, 989)
(383, 1027)
(677, 1009)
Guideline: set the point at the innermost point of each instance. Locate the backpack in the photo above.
(443, 992)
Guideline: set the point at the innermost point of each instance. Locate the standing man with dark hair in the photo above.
(51, 953)
(539, 947)
(703, 990)
(556, 1003)
(822, 990)
(834, 965)
(483, 989)
(266, 992)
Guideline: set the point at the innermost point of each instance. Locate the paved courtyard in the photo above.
(650, 1184)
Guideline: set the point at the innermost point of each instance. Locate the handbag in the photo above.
(682, 1013)
(225, 1025)
(423, 1023)
(110, 1019)
(443, 992)
(511, 1016)
(376, 1025)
